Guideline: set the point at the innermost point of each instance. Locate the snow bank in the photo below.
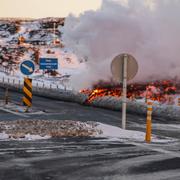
(169, 112)
(35, 137)
(118, 134)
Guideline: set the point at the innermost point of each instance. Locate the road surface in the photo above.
(88, 158)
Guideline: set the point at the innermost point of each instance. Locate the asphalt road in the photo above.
(88, 159)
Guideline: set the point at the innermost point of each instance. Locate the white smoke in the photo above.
(148, 30)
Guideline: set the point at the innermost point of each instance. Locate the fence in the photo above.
(18, 83)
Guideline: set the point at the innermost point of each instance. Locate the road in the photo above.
(88, 158)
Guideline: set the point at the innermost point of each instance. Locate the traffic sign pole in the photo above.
(124, 98)
(124, 67)
(27, 68)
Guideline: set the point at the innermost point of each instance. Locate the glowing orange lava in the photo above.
(161, 91)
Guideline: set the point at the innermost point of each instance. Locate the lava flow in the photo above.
(161, 91)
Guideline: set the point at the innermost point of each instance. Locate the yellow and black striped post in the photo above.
(148, 121)
(27, 90)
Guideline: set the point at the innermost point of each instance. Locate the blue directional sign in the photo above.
(27, 67)
(48, 63)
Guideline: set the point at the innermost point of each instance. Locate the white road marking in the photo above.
(12, 112)
(165, 126)
(157, 149)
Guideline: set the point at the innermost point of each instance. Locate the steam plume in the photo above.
(150, 32)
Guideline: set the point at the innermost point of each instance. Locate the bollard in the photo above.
(178, 101)
(148, 121)
(27, 91)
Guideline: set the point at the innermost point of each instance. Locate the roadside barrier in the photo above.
(19, 83)
(149, 121)
(27, 91)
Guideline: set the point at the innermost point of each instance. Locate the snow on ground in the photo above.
(118, 134)
(35, 137)
(4, 136)
(167, 112)
(18, 108)
(42, 31)
(157, 103)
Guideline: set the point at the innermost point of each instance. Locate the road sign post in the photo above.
(124, 91)
(124, 67)
(27, 90)
(27, 68)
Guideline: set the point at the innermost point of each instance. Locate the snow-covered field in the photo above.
(68, 67)
(38, 42)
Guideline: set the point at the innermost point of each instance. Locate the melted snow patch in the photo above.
(35, 137)
(4, 136)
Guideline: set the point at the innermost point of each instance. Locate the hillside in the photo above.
(30, 39)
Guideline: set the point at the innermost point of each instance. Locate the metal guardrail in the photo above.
(18, 83)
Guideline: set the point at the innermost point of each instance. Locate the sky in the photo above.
(46, 8)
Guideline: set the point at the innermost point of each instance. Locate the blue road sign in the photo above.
(27, 67)
(48, 63)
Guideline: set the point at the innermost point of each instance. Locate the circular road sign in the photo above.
(117, 67)
(27, 67)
